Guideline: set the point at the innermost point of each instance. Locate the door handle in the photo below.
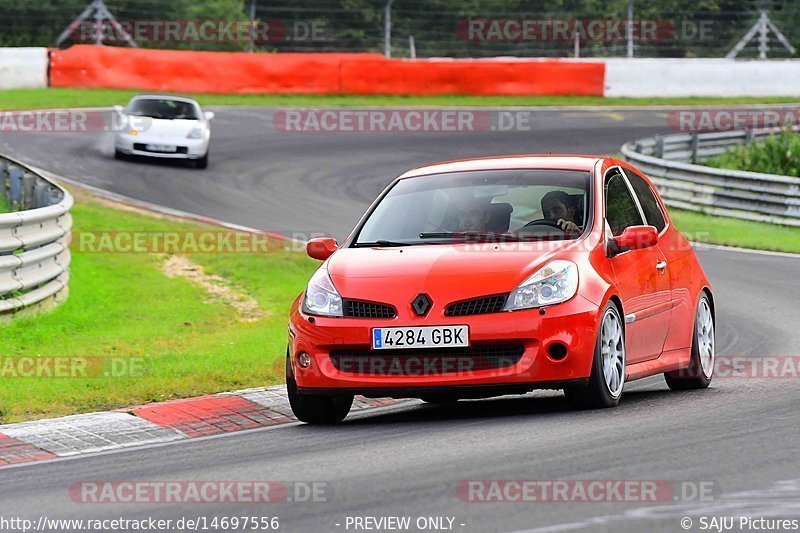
(661, 265)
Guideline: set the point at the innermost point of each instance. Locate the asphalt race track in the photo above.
(740, 434)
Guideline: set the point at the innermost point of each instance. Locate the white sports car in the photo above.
(171, 127)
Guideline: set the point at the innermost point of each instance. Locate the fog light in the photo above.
(557, 351)
(304, 360)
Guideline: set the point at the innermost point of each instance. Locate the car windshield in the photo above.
(162, 108)
(480, 205)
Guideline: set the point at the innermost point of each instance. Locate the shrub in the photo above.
(778, 154)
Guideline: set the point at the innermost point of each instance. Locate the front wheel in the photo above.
(701, 365)
(608, 367)
(316, 409)
(202, 162)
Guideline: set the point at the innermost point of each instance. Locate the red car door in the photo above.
(641, 279)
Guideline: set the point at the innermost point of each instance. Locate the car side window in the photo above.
(621, 209)
(647, 199)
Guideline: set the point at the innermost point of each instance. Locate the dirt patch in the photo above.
(217, 288)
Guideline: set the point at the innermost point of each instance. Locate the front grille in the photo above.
(433, 362)
(477, 306)
(359, 309)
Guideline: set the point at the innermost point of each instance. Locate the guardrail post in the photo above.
(748, 137)
(15, 187)
(40, 196)
(28, 191)
(659, 147)
(4, 185)
(695, 146)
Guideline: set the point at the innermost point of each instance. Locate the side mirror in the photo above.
(321, 248)
(119, 109)
(636, 237)
(209, 115)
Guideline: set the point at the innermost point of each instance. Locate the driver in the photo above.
(559, 207)
(181, 110)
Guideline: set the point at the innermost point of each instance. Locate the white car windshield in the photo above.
(502, 204)
(162, 108)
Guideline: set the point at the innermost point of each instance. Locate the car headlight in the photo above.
(321, 296)
(554, 283)
(196, 133)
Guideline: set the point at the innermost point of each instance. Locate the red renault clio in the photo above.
(498, 276)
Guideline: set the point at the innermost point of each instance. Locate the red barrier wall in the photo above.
(481, 77)
(234, 72)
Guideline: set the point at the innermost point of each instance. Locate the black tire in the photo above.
(202, 162)
(316, 409)
(596, 394)
(694, 377)
(119, 155)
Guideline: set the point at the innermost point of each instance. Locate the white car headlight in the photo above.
(321, 296)
(554, 283)
(196, 133)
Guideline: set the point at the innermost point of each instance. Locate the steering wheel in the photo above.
(543, 222)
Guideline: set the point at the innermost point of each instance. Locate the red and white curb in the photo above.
(153, 424)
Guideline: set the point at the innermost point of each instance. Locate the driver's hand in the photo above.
(567, 225)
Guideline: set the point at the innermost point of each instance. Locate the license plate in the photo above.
(161, 148)
(420, 337)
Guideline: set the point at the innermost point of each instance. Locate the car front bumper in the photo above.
(573, 324)
(136, 145)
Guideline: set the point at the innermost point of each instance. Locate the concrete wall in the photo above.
(23, 68)
(701, 77)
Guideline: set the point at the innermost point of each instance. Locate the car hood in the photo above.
(459, 270)
(172, 129)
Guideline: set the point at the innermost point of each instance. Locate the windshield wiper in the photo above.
(470, 235)
(384, 243)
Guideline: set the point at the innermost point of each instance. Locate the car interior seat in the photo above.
(499, 217)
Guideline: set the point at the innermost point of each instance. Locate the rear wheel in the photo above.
(701, 365)
(608, 367)
(316, 409)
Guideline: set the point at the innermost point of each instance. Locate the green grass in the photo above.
(733, 232)
(5, 207)
(123, 305)
(66, 98)
(778, 154)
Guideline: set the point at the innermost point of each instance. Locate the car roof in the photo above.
(164, 97)
(527, 162)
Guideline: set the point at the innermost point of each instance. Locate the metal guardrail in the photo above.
(671, 163)
(34, 239)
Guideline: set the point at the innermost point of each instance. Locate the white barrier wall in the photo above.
(23, 68)
(701, 77)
